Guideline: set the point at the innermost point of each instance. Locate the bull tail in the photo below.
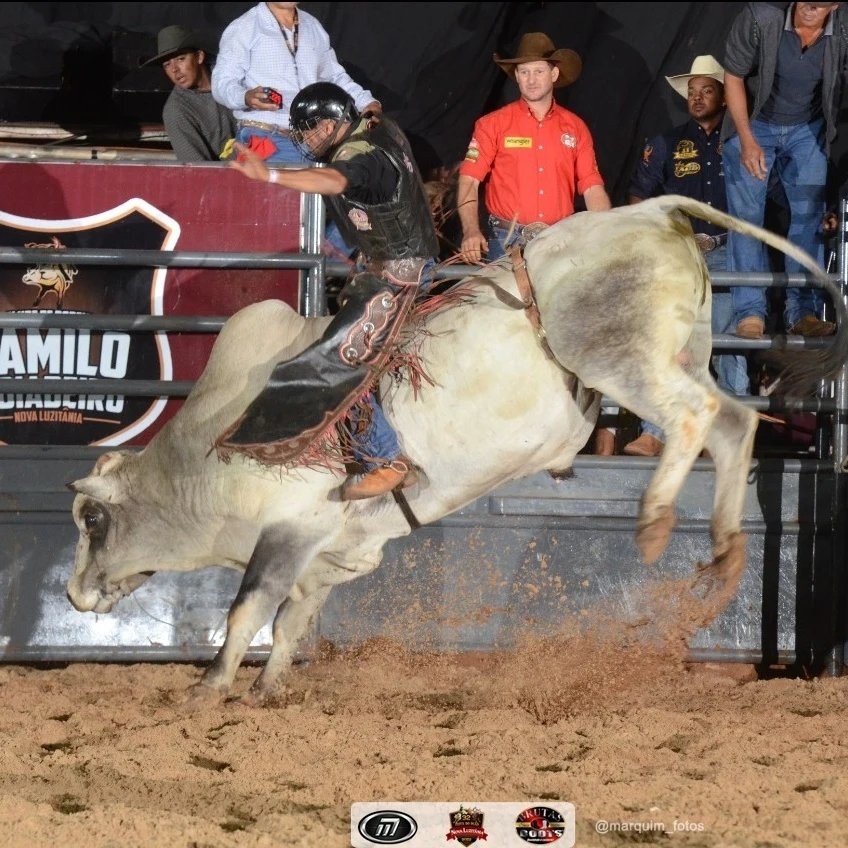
(800, 371)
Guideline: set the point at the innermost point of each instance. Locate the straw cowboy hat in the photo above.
(171, 41)
(703, 66)
(536, 47)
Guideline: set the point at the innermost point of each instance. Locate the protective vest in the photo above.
(399, 228)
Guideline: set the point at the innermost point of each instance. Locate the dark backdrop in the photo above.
(430, 64)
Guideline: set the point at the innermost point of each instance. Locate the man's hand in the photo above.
(249, 163)
(257, 98)
(753, 159)
(474, 247)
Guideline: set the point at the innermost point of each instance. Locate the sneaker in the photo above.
(397, 474)
(645, 445)
(812, 327)
(751, 327)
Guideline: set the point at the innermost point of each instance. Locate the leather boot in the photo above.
(645, 445)
(399, 473)
(812, 327)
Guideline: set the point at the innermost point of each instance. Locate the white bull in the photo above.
(625, 300)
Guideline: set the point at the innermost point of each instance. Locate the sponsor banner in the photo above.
(75, 417)
(432, 823)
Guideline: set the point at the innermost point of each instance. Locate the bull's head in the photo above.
(104, 514)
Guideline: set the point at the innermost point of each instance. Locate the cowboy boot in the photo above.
(397, 474)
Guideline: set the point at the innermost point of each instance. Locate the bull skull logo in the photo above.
(50, 278)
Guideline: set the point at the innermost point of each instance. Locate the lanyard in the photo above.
(291, 45)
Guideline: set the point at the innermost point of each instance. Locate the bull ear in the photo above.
(108, 462)
(94, 487)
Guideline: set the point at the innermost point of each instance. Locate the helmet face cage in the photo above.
(298, 137)
(313, 104)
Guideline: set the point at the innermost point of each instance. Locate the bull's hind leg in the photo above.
(686, 424)
(685, 410)
(731, 443)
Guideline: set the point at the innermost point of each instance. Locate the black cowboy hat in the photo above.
(173, 40)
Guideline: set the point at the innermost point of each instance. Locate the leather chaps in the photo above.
(306, 395)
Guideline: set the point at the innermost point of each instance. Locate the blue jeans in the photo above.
(377, 444)
(731, 370)
(796, 153)
(287, 153)
(498, 244)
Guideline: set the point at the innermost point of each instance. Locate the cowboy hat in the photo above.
(537, 47)
(703, 66)
(171, 41)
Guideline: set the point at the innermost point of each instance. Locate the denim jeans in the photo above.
(796, 153)
(287, 153)
(498, 244)
(731, 370)
(377, 444)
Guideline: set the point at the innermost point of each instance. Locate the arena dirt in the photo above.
(609, 717)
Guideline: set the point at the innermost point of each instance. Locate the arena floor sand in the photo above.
(98, 755)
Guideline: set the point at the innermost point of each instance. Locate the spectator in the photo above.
(687, 160)
(198, 127)
(375, 192)
(538, 156)
(785, 72)
(276, 48)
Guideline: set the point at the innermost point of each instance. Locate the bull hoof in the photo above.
(201, 696)
(716, 583)
(253, 698)
(652, 538)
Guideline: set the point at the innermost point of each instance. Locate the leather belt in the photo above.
(275, 129)
(502, 224)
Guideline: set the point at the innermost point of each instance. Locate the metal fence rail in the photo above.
(831, 404)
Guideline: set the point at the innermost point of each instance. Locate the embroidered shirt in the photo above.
(253, 53)
(685, 160)
(535, 168)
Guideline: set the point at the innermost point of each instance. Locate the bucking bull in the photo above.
(624, 298)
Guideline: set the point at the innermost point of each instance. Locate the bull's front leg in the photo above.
(297, 611)
(270, 575)
(290, 625)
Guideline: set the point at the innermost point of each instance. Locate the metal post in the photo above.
(837, 659)
(313, 300)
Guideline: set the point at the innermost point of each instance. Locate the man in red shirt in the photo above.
(537, 155)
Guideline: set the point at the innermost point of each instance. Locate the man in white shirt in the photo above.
(276, 49)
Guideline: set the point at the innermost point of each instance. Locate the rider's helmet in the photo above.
(313, 105)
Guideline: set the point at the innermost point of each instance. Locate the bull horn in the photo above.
(94, 487)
